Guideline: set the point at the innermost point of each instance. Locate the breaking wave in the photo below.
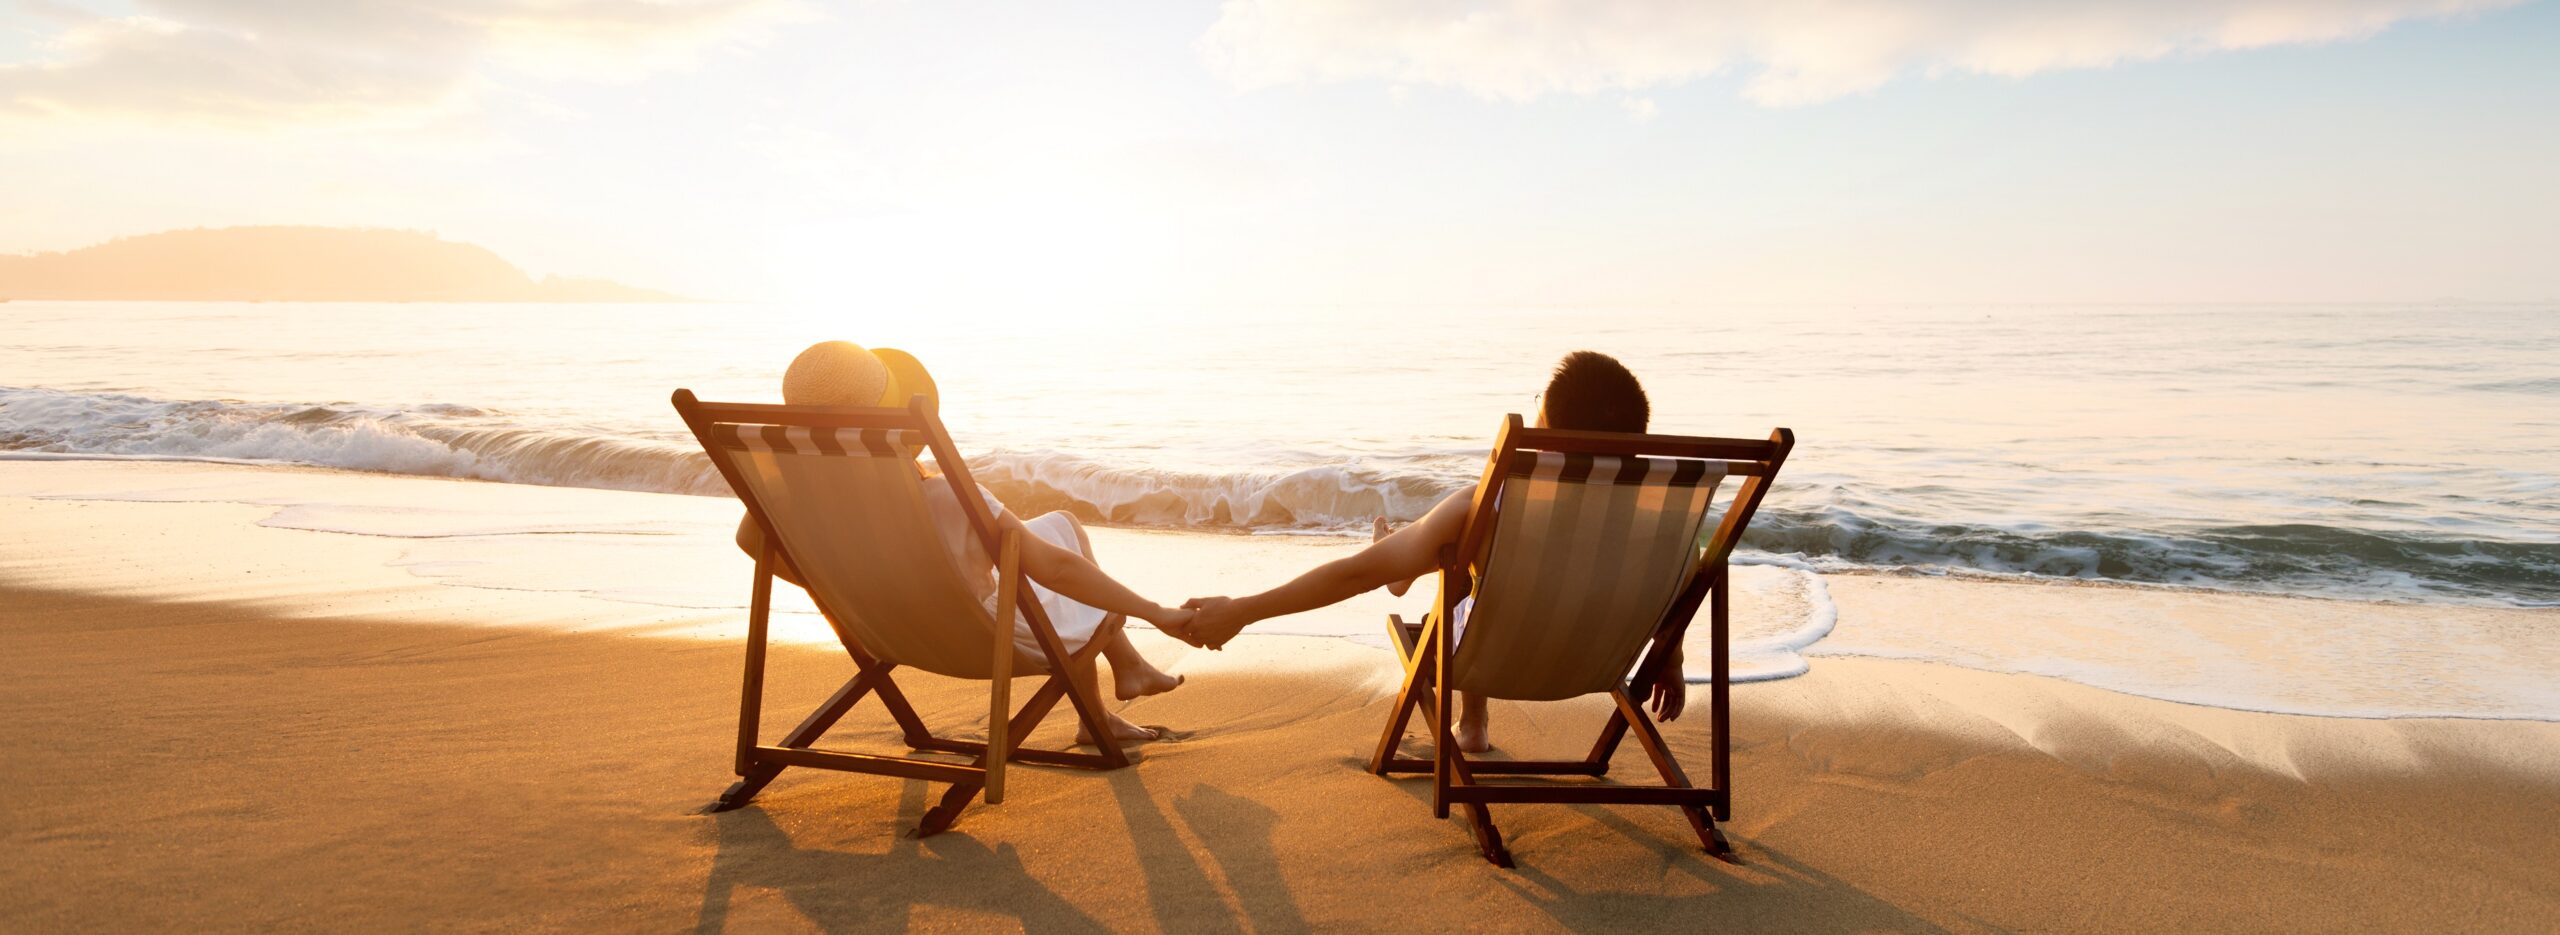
(432, 440)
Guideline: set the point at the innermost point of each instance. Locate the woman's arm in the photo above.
(1078, 579)
(751, 541)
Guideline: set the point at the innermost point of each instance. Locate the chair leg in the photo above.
(1632, 715)
(942, 816)
(1407, 699)
(1393, 739)
(946, 813)
(900, 710)
(1060, 684)
(753, 775)
(1089, 712)
(1606, 748)
(758, 775)
(1443, 745)
(744, 790)
(1444, 741)
(751, 687)
(1488, 837)
(1480, 816)
(1460, 772)
(1717, 846)
(1655, 658)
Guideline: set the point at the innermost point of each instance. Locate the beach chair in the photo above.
(839, 498)
(1582, 551)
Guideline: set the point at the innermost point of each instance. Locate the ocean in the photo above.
(2405, 454)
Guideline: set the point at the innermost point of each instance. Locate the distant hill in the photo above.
(294, 264)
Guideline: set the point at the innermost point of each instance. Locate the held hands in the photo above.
(1205, 622)
(1214, 621)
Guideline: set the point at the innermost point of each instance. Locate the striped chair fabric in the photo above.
(1614, 470)
(849, 508)
(1587, 553)
(795, 439)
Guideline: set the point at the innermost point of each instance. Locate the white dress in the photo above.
(1075, 622)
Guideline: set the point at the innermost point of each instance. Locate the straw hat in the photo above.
(842, 373)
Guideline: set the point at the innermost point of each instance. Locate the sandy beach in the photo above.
(282, 729)
(2112, 448)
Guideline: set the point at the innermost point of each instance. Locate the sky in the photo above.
(1257, 153)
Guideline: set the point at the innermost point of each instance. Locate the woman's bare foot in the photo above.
(1121, 730)
(1141, 679)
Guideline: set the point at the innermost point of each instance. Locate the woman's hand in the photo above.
(1172, 620)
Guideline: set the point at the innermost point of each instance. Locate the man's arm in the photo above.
(1403, 555)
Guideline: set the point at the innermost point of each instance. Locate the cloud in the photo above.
(280, 63)
(1795, 51)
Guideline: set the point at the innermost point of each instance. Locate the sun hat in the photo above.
(907, 379)
(842, 373)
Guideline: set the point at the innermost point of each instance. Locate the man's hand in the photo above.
(1216, 622)
(1670, 690)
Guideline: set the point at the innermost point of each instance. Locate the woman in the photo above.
(1056, 555)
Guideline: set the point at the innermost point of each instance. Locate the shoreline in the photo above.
(1789, 560)
(661, 564)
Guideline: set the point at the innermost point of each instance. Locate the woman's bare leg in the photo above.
(1132, 675)
(1082, 671)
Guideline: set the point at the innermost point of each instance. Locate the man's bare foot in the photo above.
(1474, 735)
(1121, 729)
(1378, 529)
(1141, 680)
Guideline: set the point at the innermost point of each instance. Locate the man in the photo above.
(1589, 392)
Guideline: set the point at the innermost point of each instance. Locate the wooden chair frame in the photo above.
(1428, 647)
(759, 763)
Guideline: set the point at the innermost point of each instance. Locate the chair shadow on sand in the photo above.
(1236, 832)
(842, 891)
(1766, 889)
(847, 891)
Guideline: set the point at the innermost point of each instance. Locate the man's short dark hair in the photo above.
(1593, 392)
